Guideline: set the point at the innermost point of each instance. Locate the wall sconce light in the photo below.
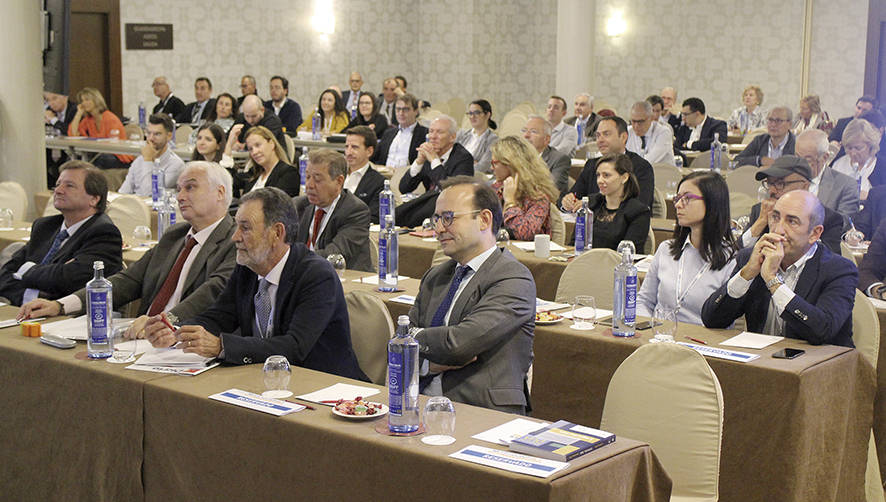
(616, 24)
(323, 20)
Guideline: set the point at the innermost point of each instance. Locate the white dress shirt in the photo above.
(353, 179)
(138, 179)
(775, 151)
(844, 165)
(696, 133)
(564, 138)
(659, 147)
(273, 278)
(329, 209)
(398, 154)
(738, 287)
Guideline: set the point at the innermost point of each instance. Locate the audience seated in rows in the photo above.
(200, 109)
(247, 88)
(811, 116)
(210, 143)
(253, 113)
(585, 118)
(224, 111)
(332, 114)
(563, 137)
(93, 119)
(524, 187)
(834, 190)
(749, 115)
(387, 100)
(399, 145)
(861, 140)
(267, 166)
(169, 103)
(670, 112)
(367, 115)
(350, 97)
(697, 130)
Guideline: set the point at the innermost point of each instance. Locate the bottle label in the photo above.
(155, 187)
(384, 209)
(171, 217)
(395, 383)
(630, 299)
(580, 233)
(382, 259)
(98, 309)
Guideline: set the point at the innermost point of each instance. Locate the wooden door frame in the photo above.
(115, 67)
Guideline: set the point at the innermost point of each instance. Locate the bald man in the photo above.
(254, 113)
(789, 284)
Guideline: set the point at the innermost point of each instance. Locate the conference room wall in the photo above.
(506, 50)
(468, 48)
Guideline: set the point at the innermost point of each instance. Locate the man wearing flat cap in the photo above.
(786, 174)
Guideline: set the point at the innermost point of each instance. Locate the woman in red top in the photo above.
(93, 119)
(524, 186)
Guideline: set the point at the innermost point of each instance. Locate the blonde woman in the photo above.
(524, 186)
(267, 166)
(93, 119)
(750, 115)
(810, 116)
(862, 142)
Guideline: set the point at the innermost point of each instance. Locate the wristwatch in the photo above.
(772, 282)
(61, 307)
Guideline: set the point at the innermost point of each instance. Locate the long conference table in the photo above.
(76, 429)
(794, 430)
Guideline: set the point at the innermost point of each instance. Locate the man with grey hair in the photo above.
(787, 284)
(649, 138)
(585, 120)
(247, 88)
(835, 190)
(333, 220)
(169, 104)
(777, 141)
(281, 299)
(186, 271)
(670, 110)
(537, 132)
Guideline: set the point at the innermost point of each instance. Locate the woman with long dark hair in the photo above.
(367, 115)
(618, 212)
(210, 143)
(687, 269)
(224, 111)
(334, 117)
(479, 138)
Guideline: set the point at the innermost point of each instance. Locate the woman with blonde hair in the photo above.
(862, 142)
(524, 186)
(267, 165)
(750, 115)
(93, 119)
(810, 116)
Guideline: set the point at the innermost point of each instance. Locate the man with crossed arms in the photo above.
(185, 272)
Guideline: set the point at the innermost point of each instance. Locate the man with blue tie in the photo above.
(58, 258)
(477, 310)
(281, 299)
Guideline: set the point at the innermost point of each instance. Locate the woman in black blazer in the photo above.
(367, 115)
(618, 213)
(267, 165)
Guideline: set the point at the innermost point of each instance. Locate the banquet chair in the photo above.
(14, 197)
(399, 172)
(597, 263)
(740, 204)
(667, 395)
(455, 106)
(866, 337)
(558, 226)
(7, 252)
(373, 252)
(128, 212)
(49, 209)
(667, 177)
(290, 150)
(134, 132)
(659, 204)
(651, 245)
(370, 336)
(743, 179)
(182, 134)
(846, 252)
(750, 135)
(428, 115)
(704, 161)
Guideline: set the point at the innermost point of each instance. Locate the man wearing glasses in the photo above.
(697, 131)
(649, 138)
(788, 284)
(765, 148)
(787, 174)
(476, 311)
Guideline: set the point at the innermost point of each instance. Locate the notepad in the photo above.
(508, 431)
(749, 340)
(530, 246)
(338, 391)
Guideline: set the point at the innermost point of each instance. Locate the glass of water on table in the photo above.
(584, 313)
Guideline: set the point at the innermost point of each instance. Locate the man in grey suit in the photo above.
(333, 220)
(185, 272)
(834, 189)
(537, 131)
(477, 310)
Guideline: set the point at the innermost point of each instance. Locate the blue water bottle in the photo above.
(584, 228)
(624, 311)
(99, 302)
(403, 380)
(385, 203)
(387, 256)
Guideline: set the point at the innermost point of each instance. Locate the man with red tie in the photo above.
(185, 272)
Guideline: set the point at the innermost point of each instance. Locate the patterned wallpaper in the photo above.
(506, 49)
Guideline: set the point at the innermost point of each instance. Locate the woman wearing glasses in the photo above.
(479, 138)
(862, 142)
(524, 187)
(687, 269)
(618, 212)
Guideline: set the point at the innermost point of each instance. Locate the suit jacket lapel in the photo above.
(810, 273)
(215, 239)
(472, 290)
(284, 289)
(73, 242)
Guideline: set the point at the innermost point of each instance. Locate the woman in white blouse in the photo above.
(479, 138)
(811, 116)
(862, 142)
(700, 258)
(750, 115)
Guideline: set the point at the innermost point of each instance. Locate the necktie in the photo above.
(460, 272)
(263, 307)
(56, 243)
(318, 217)
(171, 281)
(643, 142)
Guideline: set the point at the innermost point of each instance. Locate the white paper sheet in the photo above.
(373, 279)
(601, 314)
(75, 327)
(530, 246)
(508, 431)
(644, 264)
(878, 303)
(175, 358)
(510, 461)
(546, 306)
(749, 340)
(729, 355)
(407, 299)
(338, 391)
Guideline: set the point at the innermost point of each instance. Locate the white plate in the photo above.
(545, 323)
(381, 413)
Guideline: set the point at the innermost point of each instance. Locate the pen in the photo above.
(696, 340)
(301, 404)
(170, 326)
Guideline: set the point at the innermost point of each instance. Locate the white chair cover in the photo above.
(371, 328)
(589, 274)
(128, 212)
(14, 197)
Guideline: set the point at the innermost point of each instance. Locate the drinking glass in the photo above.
(439, 420)
(338, 263)
(502, 238)
(6, 217)
(629, 244)
(584, 313)
(276, 373)
(123, 349)
(664, 323)
(141, 235)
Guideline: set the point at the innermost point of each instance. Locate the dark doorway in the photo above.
(94, 56)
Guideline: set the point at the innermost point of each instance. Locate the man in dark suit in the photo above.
(787, 284)
(439, 158)
(363, 181)
(786, 174)
(399, 145)
(537, 132)
(198, 110)
(253, 113)
(387, 100)
(834, 189)
(349, 98)
(765, 148)
(333, 220)
(247, 88)
(58, 258)
(186, 271)
(697, 131)
(584, 115)
(669, 111)
(872, 271)
(59, 114)
(612, 137)
(287, 110)
(477, 310)
(169, 104)
(280, 299)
